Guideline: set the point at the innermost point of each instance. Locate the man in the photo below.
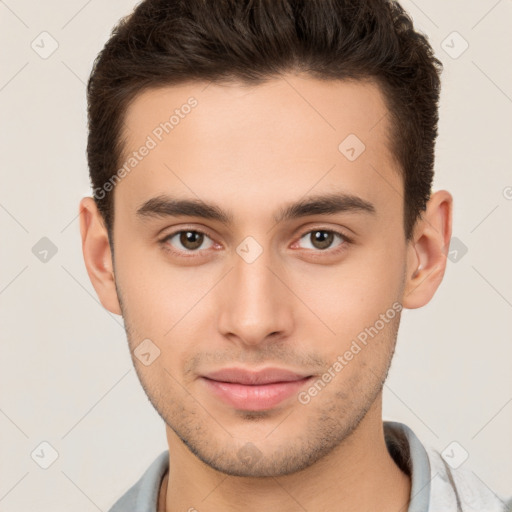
(262, 214)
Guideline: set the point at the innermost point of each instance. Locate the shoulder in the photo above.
(439, 484)
(143, 495)
(460, 488)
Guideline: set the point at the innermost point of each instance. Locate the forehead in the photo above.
(280, 138)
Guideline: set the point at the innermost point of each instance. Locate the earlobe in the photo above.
(97, 254)
(427, 252)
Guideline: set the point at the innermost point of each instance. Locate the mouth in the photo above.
(254, 391)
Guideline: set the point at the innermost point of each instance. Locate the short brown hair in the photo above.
(167, 42)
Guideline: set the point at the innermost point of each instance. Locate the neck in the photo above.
(358, 475)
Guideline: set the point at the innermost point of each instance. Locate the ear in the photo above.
(97, 254)
(427, 251)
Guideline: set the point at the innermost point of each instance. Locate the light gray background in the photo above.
(66, 377)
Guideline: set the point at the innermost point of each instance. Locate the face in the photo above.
(268, 272)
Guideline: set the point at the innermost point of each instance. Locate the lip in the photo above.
(254, 390)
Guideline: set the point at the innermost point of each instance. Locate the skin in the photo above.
(251, 151)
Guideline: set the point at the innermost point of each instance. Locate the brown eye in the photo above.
(191, 239)
(321, 239)
(188, 240)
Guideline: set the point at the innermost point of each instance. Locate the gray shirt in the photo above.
(435, 485)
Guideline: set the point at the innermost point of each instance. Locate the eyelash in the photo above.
(194, 254)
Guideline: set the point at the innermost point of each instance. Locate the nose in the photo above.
(257, 306)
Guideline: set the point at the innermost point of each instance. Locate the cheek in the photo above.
(166, 304)
(155, 293)
(353, 295)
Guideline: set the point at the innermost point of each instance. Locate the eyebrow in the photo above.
(166, 206)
